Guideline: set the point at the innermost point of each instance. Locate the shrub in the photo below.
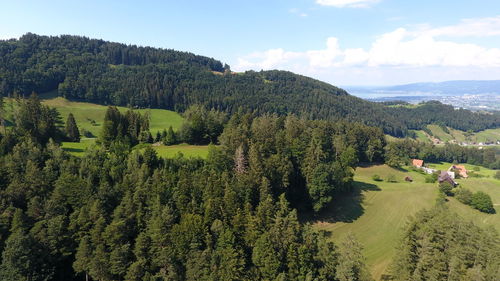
(376, 178)
(463, 195)
(391, 178)
(432, 178)
(477, 169)
(497, 175)
(446, 188)
(482, 202)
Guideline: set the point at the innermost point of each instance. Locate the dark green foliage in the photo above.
(37, 121)
(376, 177)
(72, 132)
(351, 262)
(131, 127)
(400, 151)
(432, 178)
(116, 214)
(463, 195)
(446, 188)
(169, 137)
(112, 73)
(201, 126)
(482, 202)
(439, 245)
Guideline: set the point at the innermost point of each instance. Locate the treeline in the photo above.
(434, 112)
(439, 245)
(110, 73)
(400, 152)
(116, 214)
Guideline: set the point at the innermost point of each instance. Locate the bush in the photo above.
(482, 202)
(497, 175)
(477, 169)
(463, 195)
(432, 178)
(376, 178)
(391, 178)
(446, 188)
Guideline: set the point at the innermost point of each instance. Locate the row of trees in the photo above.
(400, 152)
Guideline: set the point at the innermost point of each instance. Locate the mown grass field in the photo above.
(90, 116)
(377, 211)
(78, 148)
(187, 150)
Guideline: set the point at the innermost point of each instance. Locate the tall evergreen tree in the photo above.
(72, 131)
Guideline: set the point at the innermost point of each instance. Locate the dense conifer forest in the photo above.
(121, 212)
(111, 73)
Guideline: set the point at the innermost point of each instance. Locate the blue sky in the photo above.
(344, 42)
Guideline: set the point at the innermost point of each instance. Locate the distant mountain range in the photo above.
(446, 88)
(470, 94)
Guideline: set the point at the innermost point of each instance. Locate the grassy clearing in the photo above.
(377, 212)
(421, 136)
(439, 133)
(90, 116)
(488, 135)
(78, 148)
(189, 151)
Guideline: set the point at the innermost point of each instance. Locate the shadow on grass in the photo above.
(76, 150)
(346, 207)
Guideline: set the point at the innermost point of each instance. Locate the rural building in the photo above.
(461, 170)
(428, 170)
(417, 163)
(445, 177)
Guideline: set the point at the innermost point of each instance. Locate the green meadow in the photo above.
(377, 211)
(187, 150)
(89, 116)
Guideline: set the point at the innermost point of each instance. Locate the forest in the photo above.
(111, 73)
(123, 214)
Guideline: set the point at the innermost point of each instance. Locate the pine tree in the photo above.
(170, 137)
(72, 129)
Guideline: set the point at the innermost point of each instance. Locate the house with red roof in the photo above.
(417, 163)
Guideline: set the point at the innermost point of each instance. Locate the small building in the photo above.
(461, 170)
(428, 171)
(417, 163)
(445, 177)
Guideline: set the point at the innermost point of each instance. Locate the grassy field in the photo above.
(439, 133)
(78, 148)
(377, 211)
(187, 150)
(90, 116)
(421, 136)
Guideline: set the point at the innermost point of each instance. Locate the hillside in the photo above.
(111, 73)
(378, 210)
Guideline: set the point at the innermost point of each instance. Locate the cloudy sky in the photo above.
(344, 42)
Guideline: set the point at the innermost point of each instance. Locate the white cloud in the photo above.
(347, 3)
(421, 47)
(469, 28)
(297, 12)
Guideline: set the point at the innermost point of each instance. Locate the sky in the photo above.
(343, 42)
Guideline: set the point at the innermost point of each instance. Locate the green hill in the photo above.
(111, 73)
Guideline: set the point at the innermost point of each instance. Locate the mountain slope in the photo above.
(112, 73)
